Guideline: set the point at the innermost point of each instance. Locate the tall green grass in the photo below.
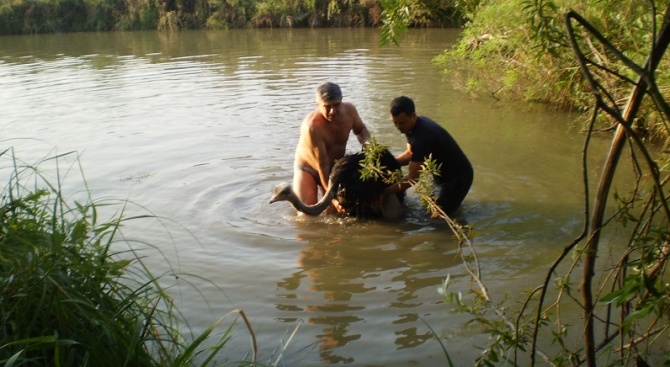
(66, 299)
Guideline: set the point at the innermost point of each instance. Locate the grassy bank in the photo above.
(66, 298)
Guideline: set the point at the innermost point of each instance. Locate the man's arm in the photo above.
(403, 159)
(358, 127)
(404, 184)
(363, 136)
(407, 181)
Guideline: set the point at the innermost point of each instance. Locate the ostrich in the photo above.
(348, 187)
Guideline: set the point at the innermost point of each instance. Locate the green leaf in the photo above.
(636, 315)
(611, 297)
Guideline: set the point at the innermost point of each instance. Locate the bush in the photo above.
(527, 56)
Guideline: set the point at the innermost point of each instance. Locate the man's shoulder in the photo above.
(350, 115)
(349, 107)
(313, 118)
(428, 124)
(427, 120)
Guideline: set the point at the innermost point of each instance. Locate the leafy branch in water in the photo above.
(371, 167)
(622, 291)
(507, 334)
(424, 186)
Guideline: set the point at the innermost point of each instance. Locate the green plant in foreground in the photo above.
(66, 299)
(371, 165)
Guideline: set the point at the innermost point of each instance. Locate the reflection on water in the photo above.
(343, 273)
(197, 127)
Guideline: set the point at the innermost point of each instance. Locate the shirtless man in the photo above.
(323, 139)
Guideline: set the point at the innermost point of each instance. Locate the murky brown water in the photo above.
(196, 127)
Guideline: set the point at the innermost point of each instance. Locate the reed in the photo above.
(65, 298)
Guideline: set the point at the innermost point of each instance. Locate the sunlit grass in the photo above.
(66, 299)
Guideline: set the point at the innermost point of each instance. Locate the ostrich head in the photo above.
(284, 192)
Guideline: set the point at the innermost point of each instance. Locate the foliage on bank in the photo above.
(519, 50)
(49, 16)
(65, 298)
(619, 285)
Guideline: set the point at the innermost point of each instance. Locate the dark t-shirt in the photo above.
(427, 138)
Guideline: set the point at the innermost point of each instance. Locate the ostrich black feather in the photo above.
(355, 194)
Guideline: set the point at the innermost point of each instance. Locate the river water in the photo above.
(197, 127)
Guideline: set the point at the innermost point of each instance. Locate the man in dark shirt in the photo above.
(426, 138)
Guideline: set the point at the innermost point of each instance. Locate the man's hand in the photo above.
(340, 209)
(379, 201)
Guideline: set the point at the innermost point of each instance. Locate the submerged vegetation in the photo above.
(67, 298)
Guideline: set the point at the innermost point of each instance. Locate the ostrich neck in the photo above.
(317, 208)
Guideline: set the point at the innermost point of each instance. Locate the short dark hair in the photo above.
(402, 104)
(329, 92)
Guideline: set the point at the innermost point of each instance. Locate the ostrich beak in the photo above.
(272, 199)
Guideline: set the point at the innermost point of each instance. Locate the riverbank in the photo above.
(41, 16)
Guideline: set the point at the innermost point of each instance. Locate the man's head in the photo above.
(329, 98)
(403, 114)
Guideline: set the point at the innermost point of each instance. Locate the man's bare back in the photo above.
(323, 139)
